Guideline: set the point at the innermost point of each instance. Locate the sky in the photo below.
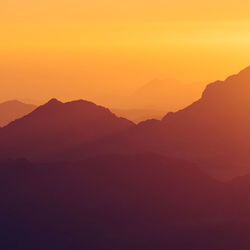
(71, 49)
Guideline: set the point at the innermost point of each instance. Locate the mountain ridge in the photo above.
(213, 131)
(56, 125)
(12, 110)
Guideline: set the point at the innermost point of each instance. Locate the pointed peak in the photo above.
(50, 104)
(54, 101)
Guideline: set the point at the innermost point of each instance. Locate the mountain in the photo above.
(138, 115)
(168, 94)
(143, 201)
(213, 131)
(154, 99)
(55, 126)
(12, 110)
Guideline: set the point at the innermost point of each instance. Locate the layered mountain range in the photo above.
(212, 132)
(75, 176)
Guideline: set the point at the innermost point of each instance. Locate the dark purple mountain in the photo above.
(122, 202)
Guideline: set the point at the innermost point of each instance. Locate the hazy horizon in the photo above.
(101, 49)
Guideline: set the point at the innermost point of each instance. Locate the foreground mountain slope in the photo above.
(214, 131)
(12, 110)
(56, 126)
(137, 202)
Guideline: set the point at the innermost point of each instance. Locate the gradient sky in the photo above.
(87, 49)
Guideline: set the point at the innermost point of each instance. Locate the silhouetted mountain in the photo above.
(119, 202)
(55, 126)
(12, 110)
(214, 131)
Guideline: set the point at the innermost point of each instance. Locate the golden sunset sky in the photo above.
(88, 49)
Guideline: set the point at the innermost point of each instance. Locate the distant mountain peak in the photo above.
(12, 101)
(15, 102)
(12, 110)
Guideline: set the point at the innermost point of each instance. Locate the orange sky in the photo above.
(86, 49)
